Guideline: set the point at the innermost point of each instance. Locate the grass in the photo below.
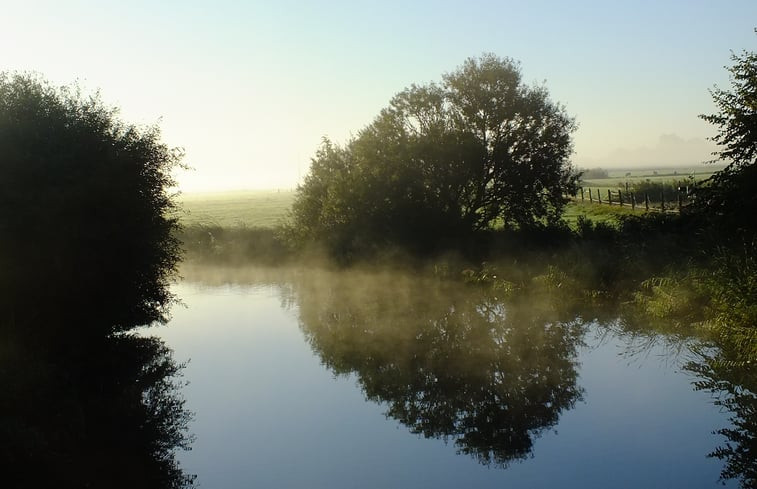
(615, 183)
(267, 208)
(618, 179)
(597, 212)
(251, 208)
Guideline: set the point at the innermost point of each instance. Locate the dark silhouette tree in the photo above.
(728, 200)
(442, 161)
(87, 249)
(86, 218)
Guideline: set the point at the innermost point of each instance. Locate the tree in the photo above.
(441, 161)
(729, 199)
(594, 173)
(86, 220)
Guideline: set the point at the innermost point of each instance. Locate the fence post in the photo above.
(599, 196)
(582, 194)
(646, 201)
(609, 197)
(591, 199)
(662, 201)
(633, 201)
(680, 202)
(620, 198)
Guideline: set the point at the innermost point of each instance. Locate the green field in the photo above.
(252, 208)
(267, 208)
(618, 178)
(674, 172)
(597, 212)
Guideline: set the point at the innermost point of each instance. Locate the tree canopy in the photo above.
(85, 213)
(730, 198)
(443, 160)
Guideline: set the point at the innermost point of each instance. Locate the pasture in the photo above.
(268, 208)
(244, 208)
(618, 178)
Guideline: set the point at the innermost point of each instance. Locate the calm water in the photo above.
(305, 379)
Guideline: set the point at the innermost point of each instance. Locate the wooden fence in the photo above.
(635, 199)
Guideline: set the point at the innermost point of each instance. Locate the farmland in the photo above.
(269, 208)
(248, 208)
(619, 178)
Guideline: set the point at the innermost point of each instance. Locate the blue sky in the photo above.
(249, 88)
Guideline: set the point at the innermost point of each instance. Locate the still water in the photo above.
(370, 379)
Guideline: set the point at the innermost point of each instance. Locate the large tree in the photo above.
(729, 198)
(86, 217)
(443, 160)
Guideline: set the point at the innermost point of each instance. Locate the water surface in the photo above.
(377, 379)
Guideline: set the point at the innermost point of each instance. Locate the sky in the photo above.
(249, 89)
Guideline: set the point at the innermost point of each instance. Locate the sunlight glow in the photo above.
(249, 90)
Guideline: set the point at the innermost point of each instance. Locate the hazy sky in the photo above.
(249, 88)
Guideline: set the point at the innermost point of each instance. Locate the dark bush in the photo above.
(84, 213)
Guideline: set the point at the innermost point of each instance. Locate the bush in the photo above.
(84, 213)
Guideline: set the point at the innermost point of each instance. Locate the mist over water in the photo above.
(397, 378)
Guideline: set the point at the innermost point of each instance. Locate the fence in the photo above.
(646, 200)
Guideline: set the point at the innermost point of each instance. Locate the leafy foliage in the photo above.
(658, 190)
(442, 161)
(730, 197)
(83, 203)
(737, 117)
(594, 173)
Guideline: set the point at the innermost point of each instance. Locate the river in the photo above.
(388, 379)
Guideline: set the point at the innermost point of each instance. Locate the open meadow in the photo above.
(269, 208)
(619, 178)
(244, 208)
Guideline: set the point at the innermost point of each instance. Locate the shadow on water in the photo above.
(109, 415)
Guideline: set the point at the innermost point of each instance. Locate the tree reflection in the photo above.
(449, 361)
(106, 416)
(733, 382)
(722, 347)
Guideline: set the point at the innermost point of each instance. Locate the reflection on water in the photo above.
(450, 363)
(489, 373)
(108, 415)
(733, 382)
